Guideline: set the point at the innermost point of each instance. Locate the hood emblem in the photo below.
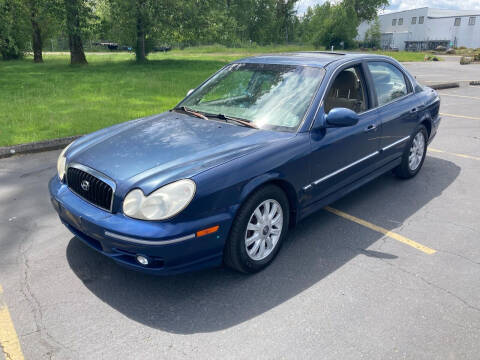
(85, 185)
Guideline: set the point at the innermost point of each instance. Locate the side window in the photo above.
(347, 91)
(388, 81)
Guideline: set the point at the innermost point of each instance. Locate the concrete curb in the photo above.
(38, 146)
(444, 85)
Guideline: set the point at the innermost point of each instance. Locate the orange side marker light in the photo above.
(210, 230)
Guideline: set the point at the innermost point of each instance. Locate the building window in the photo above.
(400, 21)
(414, 20)
(471, 21)
(420, 19)
(394, 22)
(457, 21)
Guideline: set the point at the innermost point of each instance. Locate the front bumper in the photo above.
(171, 248)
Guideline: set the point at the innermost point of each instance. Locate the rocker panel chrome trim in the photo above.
(396, 143)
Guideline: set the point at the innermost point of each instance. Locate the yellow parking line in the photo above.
(455, 154)
(382, 230)
(461, 116)
(461, 96)
(8, 336)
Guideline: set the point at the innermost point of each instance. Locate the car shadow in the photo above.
(219, 298)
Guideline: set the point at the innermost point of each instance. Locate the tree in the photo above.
(339, 28)
(366, 10)
(76, 13)
(285, 15)
(137, 22)
(44, 18)
(373, 35)
(333, 24)
(13, 29)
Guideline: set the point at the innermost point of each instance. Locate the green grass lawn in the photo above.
(55, 99)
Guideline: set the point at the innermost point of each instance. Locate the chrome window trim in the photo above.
(98, 175)
(396, 143)
(405, 74)
(316, 182)
(148, 242)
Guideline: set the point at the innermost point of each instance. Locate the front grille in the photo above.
(94, 190)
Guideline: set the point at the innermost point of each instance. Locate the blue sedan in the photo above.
(260, 145)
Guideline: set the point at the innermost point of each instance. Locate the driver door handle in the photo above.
(370, 127)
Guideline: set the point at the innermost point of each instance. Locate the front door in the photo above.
(341, 155)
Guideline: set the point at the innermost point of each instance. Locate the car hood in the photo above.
(153, 151)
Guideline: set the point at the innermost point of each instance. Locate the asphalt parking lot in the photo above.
(391, 271)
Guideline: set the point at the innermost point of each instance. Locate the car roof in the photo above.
(306, 58)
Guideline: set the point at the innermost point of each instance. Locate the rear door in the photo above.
(397, 107)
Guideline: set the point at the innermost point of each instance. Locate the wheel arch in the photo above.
(274, 179)
(426, 121)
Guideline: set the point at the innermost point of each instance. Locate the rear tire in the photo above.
(258, 230)
(414, 154)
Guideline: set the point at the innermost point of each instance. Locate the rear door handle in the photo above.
(370, 127)
(414, 110)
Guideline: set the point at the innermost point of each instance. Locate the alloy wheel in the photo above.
(264, 229)
(416, 151)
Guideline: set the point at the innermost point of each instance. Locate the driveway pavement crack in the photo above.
(460, 256)
(429, 283)
(48, 340)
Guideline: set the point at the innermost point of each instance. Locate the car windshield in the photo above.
(268, 96)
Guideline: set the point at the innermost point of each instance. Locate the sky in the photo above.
(397, 5)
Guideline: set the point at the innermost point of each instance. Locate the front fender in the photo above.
(255, 183)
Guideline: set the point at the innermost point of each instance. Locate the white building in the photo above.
(426, 28)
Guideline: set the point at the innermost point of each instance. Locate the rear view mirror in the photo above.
(341, 117)
(190, 91)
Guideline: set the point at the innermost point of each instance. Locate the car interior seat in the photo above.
(346, 92)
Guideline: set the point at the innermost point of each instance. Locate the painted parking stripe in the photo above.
(461, 96)
(382, 230)
(8, 336)
(460, 116)
(454, 154)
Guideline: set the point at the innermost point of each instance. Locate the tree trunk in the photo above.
(77, 55)
(36, 41)
(140, 48)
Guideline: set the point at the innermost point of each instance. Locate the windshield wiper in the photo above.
(237, 120)
(191, 111)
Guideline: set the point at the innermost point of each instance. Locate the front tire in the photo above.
(413, 155)
(258, 230)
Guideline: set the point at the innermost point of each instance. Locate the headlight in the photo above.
(162, 204)
(61, 162)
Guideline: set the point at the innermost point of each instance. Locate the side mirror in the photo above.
(341, 117)
(190, 91)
